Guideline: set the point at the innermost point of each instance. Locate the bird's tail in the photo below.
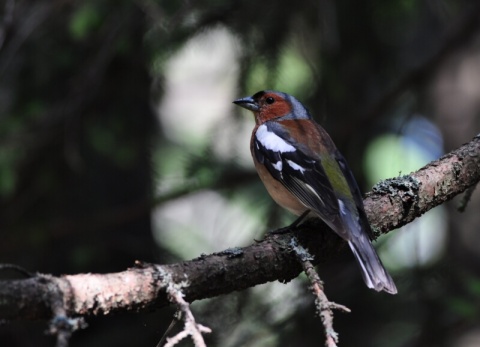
(373, 272)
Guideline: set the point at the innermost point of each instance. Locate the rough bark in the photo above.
(391, 204)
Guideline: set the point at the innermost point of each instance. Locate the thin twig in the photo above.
(176, 317)
(63, 327)
(323, 305)
(16, 268)
(191, 328)
(467, 195)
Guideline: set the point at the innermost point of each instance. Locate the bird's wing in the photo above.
(302, 175)
(356, 193)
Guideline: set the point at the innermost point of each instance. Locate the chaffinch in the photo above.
(305, 173)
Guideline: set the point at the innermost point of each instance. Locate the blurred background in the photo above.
(119, 141)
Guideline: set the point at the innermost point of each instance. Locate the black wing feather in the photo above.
(311, 186)
(268, 158)
(320, 197)
(357, 195)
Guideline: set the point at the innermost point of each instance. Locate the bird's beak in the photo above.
(247, 103)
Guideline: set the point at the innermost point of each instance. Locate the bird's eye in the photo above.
(269, 100)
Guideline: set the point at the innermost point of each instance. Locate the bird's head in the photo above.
(267, 105)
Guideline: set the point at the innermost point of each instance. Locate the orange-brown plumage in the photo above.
(276, 189)
(304, 172)
(281, 107)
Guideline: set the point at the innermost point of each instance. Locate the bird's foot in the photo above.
(284, 230)
(291, 227)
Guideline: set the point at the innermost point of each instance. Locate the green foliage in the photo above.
(84, 21)
(87, 183)
(463, 307)
(291, 75)
(108, 140)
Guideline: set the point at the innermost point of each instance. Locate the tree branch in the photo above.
(391, 204)
(324, 306)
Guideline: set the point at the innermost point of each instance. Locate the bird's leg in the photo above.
(289, 228)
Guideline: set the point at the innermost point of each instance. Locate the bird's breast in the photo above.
(278, 192)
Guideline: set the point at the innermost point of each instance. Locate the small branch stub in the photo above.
(191, 327)
(323, 305)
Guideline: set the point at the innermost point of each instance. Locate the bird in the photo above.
(304, 172)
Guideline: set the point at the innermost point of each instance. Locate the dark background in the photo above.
(95, 171)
